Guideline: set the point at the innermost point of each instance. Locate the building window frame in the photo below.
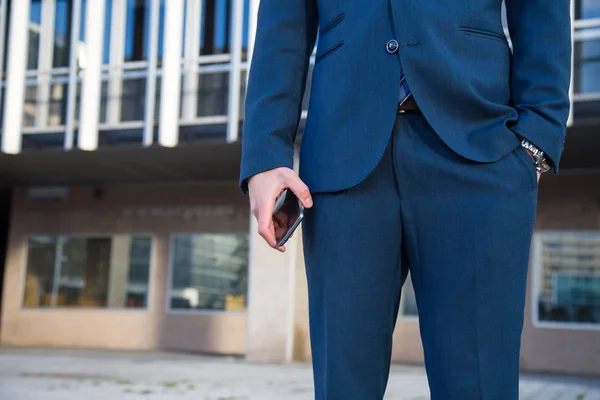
(25, 257)
(117, 71)
(536, 266)
(170, 269)
(584, 29)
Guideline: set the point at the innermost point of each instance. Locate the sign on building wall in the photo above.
(185, 213)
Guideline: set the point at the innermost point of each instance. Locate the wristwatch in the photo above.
(541, 162)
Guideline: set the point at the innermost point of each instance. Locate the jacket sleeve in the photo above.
(285, 37)
(540, 32)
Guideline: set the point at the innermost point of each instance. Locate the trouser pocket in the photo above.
(527, 162)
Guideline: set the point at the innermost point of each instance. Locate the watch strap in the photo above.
(539, 157)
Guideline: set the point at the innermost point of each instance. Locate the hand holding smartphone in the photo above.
(288, 213)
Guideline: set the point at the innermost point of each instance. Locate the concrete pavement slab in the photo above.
(41, 374)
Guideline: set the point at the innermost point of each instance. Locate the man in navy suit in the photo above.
(425, 138)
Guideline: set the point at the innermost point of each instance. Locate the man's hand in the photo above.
(264, 189)
(539, 174)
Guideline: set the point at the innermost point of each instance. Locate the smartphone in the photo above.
(287, 216)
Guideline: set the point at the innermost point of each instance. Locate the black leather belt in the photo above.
(409, 106)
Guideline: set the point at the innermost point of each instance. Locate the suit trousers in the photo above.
(463, 231)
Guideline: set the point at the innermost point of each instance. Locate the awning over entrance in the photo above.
(213, 160)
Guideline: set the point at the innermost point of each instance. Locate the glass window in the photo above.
(57, 107)
(35, 21)
(209, 272)
(29, 106)
(161, 31)
(213, 93)
(243, 89)
(97, 272)
(214, 35)
(245, 31)
(587, 61)
(5, 37)
(567, 287)
(107, 31)
(39, 281)
(62, 33)
(585, 9)
(133, 100)
(137, 30)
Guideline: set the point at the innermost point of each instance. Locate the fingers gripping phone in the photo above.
(287, 216)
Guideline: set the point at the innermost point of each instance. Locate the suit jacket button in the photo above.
(392, 46)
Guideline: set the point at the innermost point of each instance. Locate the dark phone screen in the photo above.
(285, 218)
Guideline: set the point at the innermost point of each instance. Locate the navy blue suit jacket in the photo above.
(477, 94)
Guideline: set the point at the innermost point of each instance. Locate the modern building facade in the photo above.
(120, 146)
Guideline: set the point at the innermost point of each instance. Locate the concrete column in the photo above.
(118, 276)
(18, 42)
(277, 300)
(168, 134)
(302, 351)
(91, 85)
(270, 302)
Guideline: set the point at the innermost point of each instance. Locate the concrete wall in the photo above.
(567, 202)
(151, 209)
(275, 328)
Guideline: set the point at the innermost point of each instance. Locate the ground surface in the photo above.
(90, 375)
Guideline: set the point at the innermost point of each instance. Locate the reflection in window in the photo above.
(568, 290)
(35, 21)
(133, 100)
(107, 31)
(587, 63)
(214, 35)
(39, 281)
(245, 30)
(213, 91)
(62, 33)
(57, 112)
(103, 101)
(3, 66)
(161, 32)
(98, 272)
(243, 89)
(29, 106)
(136, 31)
(209, 272)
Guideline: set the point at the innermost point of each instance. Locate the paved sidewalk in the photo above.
(94, 375)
